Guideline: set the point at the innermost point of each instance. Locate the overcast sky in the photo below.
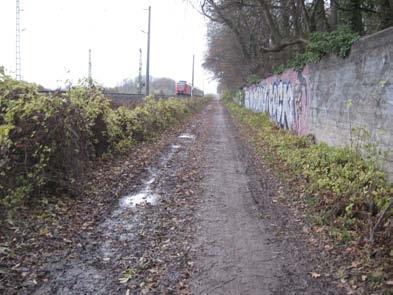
(57, 35)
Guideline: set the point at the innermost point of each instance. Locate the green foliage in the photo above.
(279, 69)
(300, 60)
(338, 42)
(346, 190)
(253, 79)
(47, 142)
(227, 96)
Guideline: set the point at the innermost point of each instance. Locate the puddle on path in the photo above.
(146, 193)
(144, 196)
(151, 180)
(187, 136)
(119, 229)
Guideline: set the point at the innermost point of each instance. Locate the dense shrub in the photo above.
(47, 142)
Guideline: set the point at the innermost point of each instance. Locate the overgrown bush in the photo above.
(47, 142)
(346, 191)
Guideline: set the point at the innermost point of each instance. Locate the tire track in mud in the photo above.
(143, 245)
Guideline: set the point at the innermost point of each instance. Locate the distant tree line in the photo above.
(249, 38)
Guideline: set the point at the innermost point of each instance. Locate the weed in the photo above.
(342, 189)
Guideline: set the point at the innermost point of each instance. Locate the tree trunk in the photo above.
(285, 17)
(317, 19)
(333, 14)
(276, 35)
(297, 12)
(386, 8)
(320, 16)
(356, 17)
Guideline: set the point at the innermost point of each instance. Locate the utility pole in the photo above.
(140, 72)
(148, 56)
(193, 68)
(18, 71)
(90, 75)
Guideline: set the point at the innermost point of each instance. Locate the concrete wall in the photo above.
(336, 98)
(285, 98)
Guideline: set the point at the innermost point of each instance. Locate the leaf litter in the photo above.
(77, 245)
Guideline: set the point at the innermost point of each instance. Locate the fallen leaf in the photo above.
(44, 231)
(124, 280)
(315, 275)
(126, 275)
(355, 264)
(4, 271)
(318, 229)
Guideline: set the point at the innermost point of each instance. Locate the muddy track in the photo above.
(246, 243)
(199, 218)
(142, 245)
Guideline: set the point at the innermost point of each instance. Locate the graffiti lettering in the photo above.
(284, 98)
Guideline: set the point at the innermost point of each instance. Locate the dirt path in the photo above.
(199, 218)
(246, 242)
(237, 257)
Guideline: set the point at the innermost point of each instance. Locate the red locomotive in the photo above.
(185, 89)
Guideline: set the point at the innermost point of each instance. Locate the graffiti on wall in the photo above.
(284, 98)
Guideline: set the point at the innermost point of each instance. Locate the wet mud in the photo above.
(245, 242)
(198, 218)
(142, 245)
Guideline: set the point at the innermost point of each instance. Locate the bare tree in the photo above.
(251, 37)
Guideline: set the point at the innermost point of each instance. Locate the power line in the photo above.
(193, 69)
(148, 56)
(140, 73)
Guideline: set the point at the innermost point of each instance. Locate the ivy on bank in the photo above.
(338, 42)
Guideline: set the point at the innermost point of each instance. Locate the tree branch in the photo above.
(379, 221)
(283, 45)
(365, 9)
(232, 26)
